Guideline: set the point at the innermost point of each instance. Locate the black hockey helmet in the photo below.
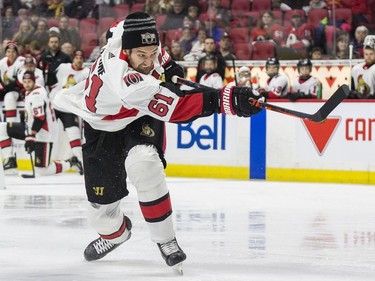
(304, 62)
(272, 61)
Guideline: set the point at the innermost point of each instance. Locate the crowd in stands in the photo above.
(255, 29)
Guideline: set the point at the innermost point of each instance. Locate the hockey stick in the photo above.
(339, 95)
(350, 65)
(27, 176)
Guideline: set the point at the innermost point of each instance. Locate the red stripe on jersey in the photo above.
(58, 167)
(123, 113)
(187, 107)
(6, 143)
(75, 143)
(116, 234)
(11, 113)
(157, 210)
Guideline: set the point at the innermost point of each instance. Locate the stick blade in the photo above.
(27, 176)
(341, 93)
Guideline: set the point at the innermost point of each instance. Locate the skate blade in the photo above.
(178, 268)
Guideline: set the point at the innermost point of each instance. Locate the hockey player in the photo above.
(277, 84)
(211, 78)
(305, 86)
(124, 109)
(10, 65)
(68, 75)
(39, 131)
(363, 74)
(30, 65)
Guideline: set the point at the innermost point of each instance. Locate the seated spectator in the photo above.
(55, 9)
(69, 34)
(197, 47)
(316, 53)
(210, 49)
(22, 15)
(152, 7)
(40, 7)
(212, 29)
(342, 48)
(175, 17)
(177, 53)
(79, 9)
(299, 35)
(24, 35)
(8, 24)
(165, 6)
(305, 86)
(277, 85)
(67, 48)
(34, 19)
(363, 77)
(225, 47)
(359, 37)
(193, 15)
(220, 14)
(96, 51)
(315, 4)
(187, 39)
(211, 78)
(41, 33)
(268, 29)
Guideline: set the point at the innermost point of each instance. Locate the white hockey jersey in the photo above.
(364, 79)
(277, 86)
(68, 76)
(9, 72)
(310, 86)
(39, 79)
(38, 105)
(115, 95)
(212, 80)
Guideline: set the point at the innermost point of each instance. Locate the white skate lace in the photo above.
(102, 246)
(169, 247)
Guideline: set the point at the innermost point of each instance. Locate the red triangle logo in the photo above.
(321, 133)
(330, 81)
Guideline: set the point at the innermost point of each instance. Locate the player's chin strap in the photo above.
(338, 96)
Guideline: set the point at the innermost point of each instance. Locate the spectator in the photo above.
(175, 17)
(152, 7)
(316, 53)
(359, 36)
(40, 7)
(305, 86)
(8, 24)
(277, 84)
(342, 47)
(177, 53)
(210, 48)
(211, 78)
(299, 35)
(55, 9)
(34, 19)
(68, 34)
(220, 14)
(166, 6)
(315, 4)
(14, 4)
(198, 46)
(51, 59)
(193, 15)
(363, 74)
(187, 39)
(21, 17)
(41, 33)
(24, 35)
(268, 29)
(96, 51)
(67, 48)
(212, 29)
(225, 47)
(79, 9)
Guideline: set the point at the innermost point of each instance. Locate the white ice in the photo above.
(230, 230)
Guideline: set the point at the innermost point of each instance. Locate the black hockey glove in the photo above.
(171, 69)
(173, 88)
(241, 101)
(357, 95)
(30, 143)
(298, 95)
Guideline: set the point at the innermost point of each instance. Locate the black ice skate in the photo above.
(172, 253)
(100, 247)
(76, 164)
(10, 166)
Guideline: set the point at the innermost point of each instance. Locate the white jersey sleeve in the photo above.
(364, 79)
(277, 86)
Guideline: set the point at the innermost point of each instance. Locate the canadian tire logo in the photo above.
(321, 133)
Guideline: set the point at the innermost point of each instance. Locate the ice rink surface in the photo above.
(230, 230)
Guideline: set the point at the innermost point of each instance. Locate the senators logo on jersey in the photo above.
(132, 78)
